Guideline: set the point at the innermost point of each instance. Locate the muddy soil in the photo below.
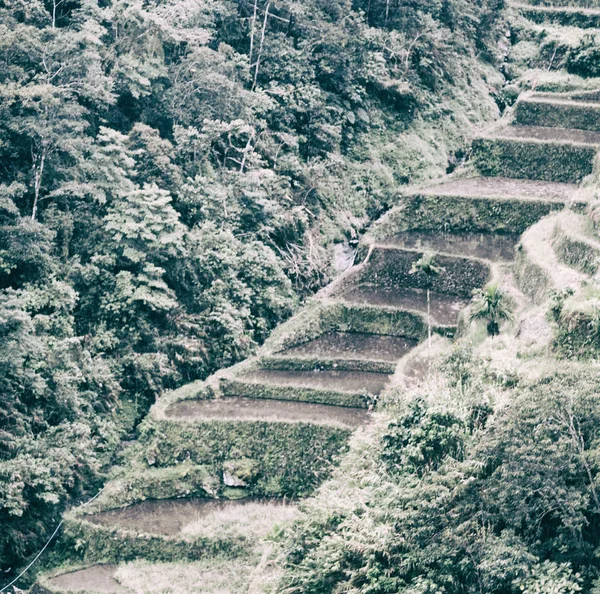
(488, 246)
(98, 578)
(444, 308)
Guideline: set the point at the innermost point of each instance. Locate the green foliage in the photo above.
(56, 424)
(584, 59)
(426, 265)
(437, 504)
(171, 173)
(490, 304)
(549, 577)
(557, 302)
(530, 159)
(421, 440)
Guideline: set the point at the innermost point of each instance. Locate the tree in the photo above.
(426, 266)
(492, 305)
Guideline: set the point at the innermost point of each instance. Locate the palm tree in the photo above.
(492, 305)
(426, 265)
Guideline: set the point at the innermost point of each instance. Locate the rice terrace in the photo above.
(300, 297)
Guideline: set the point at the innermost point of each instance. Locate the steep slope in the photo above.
(276, 425)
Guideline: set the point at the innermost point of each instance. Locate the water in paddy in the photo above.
(169, 517)
(98, 578)
(343, 381)
(488, 246)
(444, 308)
(353, 346)
(248, 409)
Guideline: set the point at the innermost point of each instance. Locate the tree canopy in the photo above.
(171, 173)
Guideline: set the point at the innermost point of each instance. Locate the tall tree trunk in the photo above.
(260, 47)
(253, 32)
(38, 172)
(429, 319)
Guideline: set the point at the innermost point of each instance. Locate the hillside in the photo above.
(185, 178)
(176, 178)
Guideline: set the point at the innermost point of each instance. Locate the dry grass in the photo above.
(215, 576)
(259, 575)
(537, 241)
(546, 80)
(253, 520)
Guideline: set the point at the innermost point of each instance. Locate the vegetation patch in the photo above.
(577, 317)
(568, 16)
(533, 159)
(173, 176)
(441, 213)
(287, 458)
(239, 387)
(558, 113)
(417, 486)
(394, 268)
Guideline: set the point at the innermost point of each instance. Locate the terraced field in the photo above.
(220, 459)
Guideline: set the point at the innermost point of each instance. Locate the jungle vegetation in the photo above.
(172, 174)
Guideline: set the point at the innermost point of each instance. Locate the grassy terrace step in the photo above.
(476, 205)
(570, 16)
(504, 188)
(272, 411)
(173, 530)
(487, 246)
(551, 135)
(534, 152)
(215, 576)
(554, 42)
(558, 82)
(573, 245)
(353, 346)
(341, 388)
(576, 3)
(558, 113)
(444, 308)
(586, 96)
(274, 458)
(169, 530)
(537, 269)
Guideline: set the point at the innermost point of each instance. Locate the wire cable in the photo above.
(48, 542)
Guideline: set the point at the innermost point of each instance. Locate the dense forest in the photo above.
(173, 175)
